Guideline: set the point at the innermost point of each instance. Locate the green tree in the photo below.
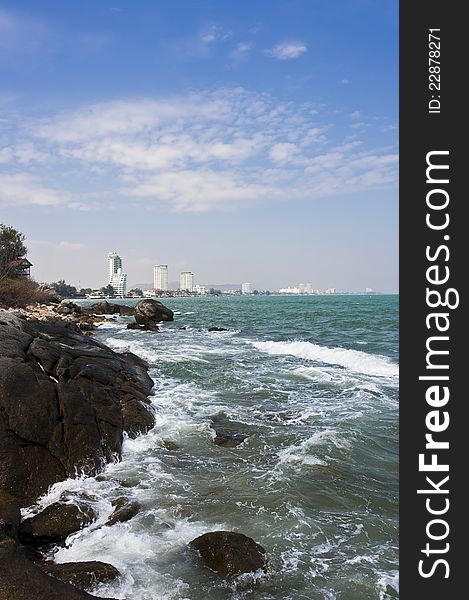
(108, 290)
(64, 289)
(137, 291)
(11, 247)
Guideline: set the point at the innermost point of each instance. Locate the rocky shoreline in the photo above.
(66, 403)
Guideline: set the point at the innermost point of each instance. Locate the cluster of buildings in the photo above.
(117, 280)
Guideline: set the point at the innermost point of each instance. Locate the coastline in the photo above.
(67, 401)
(200, 433)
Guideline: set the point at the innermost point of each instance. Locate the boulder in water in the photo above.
(55, 523)
(228, 552)
(150, 312)
(217, 329)
(225, 432)
(83, 575)
(124, 510)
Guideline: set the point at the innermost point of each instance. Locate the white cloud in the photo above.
(243, 47)
(287, 51)
(200, 190)
(282, 152)
(22, 188)
(203, 151)
(214, 33)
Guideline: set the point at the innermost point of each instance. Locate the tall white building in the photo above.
(160, 277)
(117, 278)
(114, 263)
(186, 281)
(119, 283)
(246, 288)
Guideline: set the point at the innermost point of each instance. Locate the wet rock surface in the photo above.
(83, 575)
(124, 510)
(22, 579)
(55, 523)
(230, 553)
(217, 329)
(226, 434)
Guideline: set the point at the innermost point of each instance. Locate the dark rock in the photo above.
(137, 418)
(85, 326)
(143, 327)
(55, 523)
(67, 307)
(10, 515)
(228, 552)
(225, 431)
(217, 329)
(126, 311)
(170, 445)
(104, 308)
(124, 510)
(65, 402)
(150, 312)
(83, 575)
(21, 579)
(109, 308)
(229, 440)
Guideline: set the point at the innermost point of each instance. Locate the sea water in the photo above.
(312, 384)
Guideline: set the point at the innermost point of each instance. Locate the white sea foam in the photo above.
(355, 360)
(301, 454)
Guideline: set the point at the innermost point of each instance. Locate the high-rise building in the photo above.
(119, 283)
(117, 278)
(186, 281)
(246, 288)
(114, 263)
(160, 277)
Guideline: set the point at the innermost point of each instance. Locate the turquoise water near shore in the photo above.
(312, 382)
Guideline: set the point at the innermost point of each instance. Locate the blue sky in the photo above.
(249, 141)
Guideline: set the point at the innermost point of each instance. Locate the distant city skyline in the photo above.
(240, 143)
(187, 282)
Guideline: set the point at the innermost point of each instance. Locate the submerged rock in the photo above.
(227, 440)
(125, 510)
(228, 552)
(138, 326)
(83, 575)
(169, 445)
(225, 432)
(217, 329)
(55, 523)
